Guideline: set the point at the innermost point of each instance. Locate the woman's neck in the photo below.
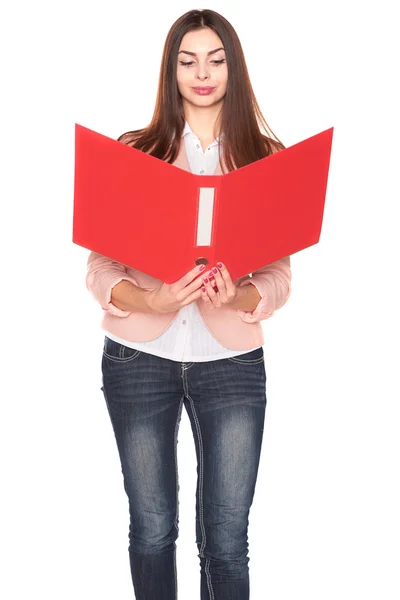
(204, 123)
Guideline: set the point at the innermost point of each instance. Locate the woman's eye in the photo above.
(187, 64)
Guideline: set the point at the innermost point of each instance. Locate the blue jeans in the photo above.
(226, 401)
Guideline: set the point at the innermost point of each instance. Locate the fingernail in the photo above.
(219, 265)
(202, 267)
(203, 289)
(215, 270)
(205, 280)
(210, 274)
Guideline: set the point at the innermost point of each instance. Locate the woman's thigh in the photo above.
(144, 395)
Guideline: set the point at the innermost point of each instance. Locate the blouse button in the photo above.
(197, 145)
(202, 171)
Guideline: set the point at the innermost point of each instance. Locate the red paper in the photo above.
(158, 218)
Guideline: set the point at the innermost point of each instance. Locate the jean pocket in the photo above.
(254, 357)
(119, 352)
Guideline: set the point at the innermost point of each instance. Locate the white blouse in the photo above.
(187, 339)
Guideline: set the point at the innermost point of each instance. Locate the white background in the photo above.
(325, 518)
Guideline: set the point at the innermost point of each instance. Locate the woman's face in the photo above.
(197, 68)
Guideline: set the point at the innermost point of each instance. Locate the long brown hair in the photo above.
(241, 117)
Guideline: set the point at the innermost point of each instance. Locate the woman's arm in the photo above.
(273, 283)
(247, 298)
(128, 297)
(112, 287)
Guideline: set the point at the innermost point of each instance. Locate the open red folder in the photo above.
(163, 220)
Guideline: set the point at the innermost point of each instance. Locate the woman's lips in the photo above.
(203, 91)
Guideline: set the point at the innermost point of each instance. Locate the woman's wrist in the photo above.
(125, 295)
(247, 298)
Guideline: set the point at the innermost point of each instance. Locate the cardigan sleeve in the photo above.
(102, 275)
(273, 283)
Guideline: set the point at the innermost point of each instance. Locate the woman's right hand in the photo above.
(171, 297)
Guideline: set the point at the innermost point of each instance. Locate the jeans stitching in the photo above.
(123, 360)
(203, 543)
(187, 366)
(177, 486)
(121, 352)
(246, 362)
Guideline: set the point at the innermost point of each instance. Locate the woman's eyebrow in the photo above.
(194, 53)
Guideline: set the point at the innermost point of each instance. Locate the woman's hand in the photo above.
(224, 292)
(171, 297)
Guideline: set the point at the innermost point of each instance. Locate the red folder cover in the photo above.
(163, 220)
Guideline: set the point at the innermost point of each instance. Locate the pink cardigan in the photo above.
(233, 328)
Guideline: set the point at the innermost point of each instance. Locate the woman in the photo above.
(196, 342)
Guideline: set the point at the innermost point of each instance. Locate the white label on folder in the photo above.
(204, 222)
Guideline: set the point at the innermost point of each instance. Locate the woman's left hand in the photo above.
(225, 291)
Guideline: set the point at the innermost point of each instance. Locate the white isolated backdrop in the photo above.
(325, 519)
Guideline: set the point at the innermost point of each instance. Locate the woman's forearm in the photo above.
(127, 296)
(247, 298)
